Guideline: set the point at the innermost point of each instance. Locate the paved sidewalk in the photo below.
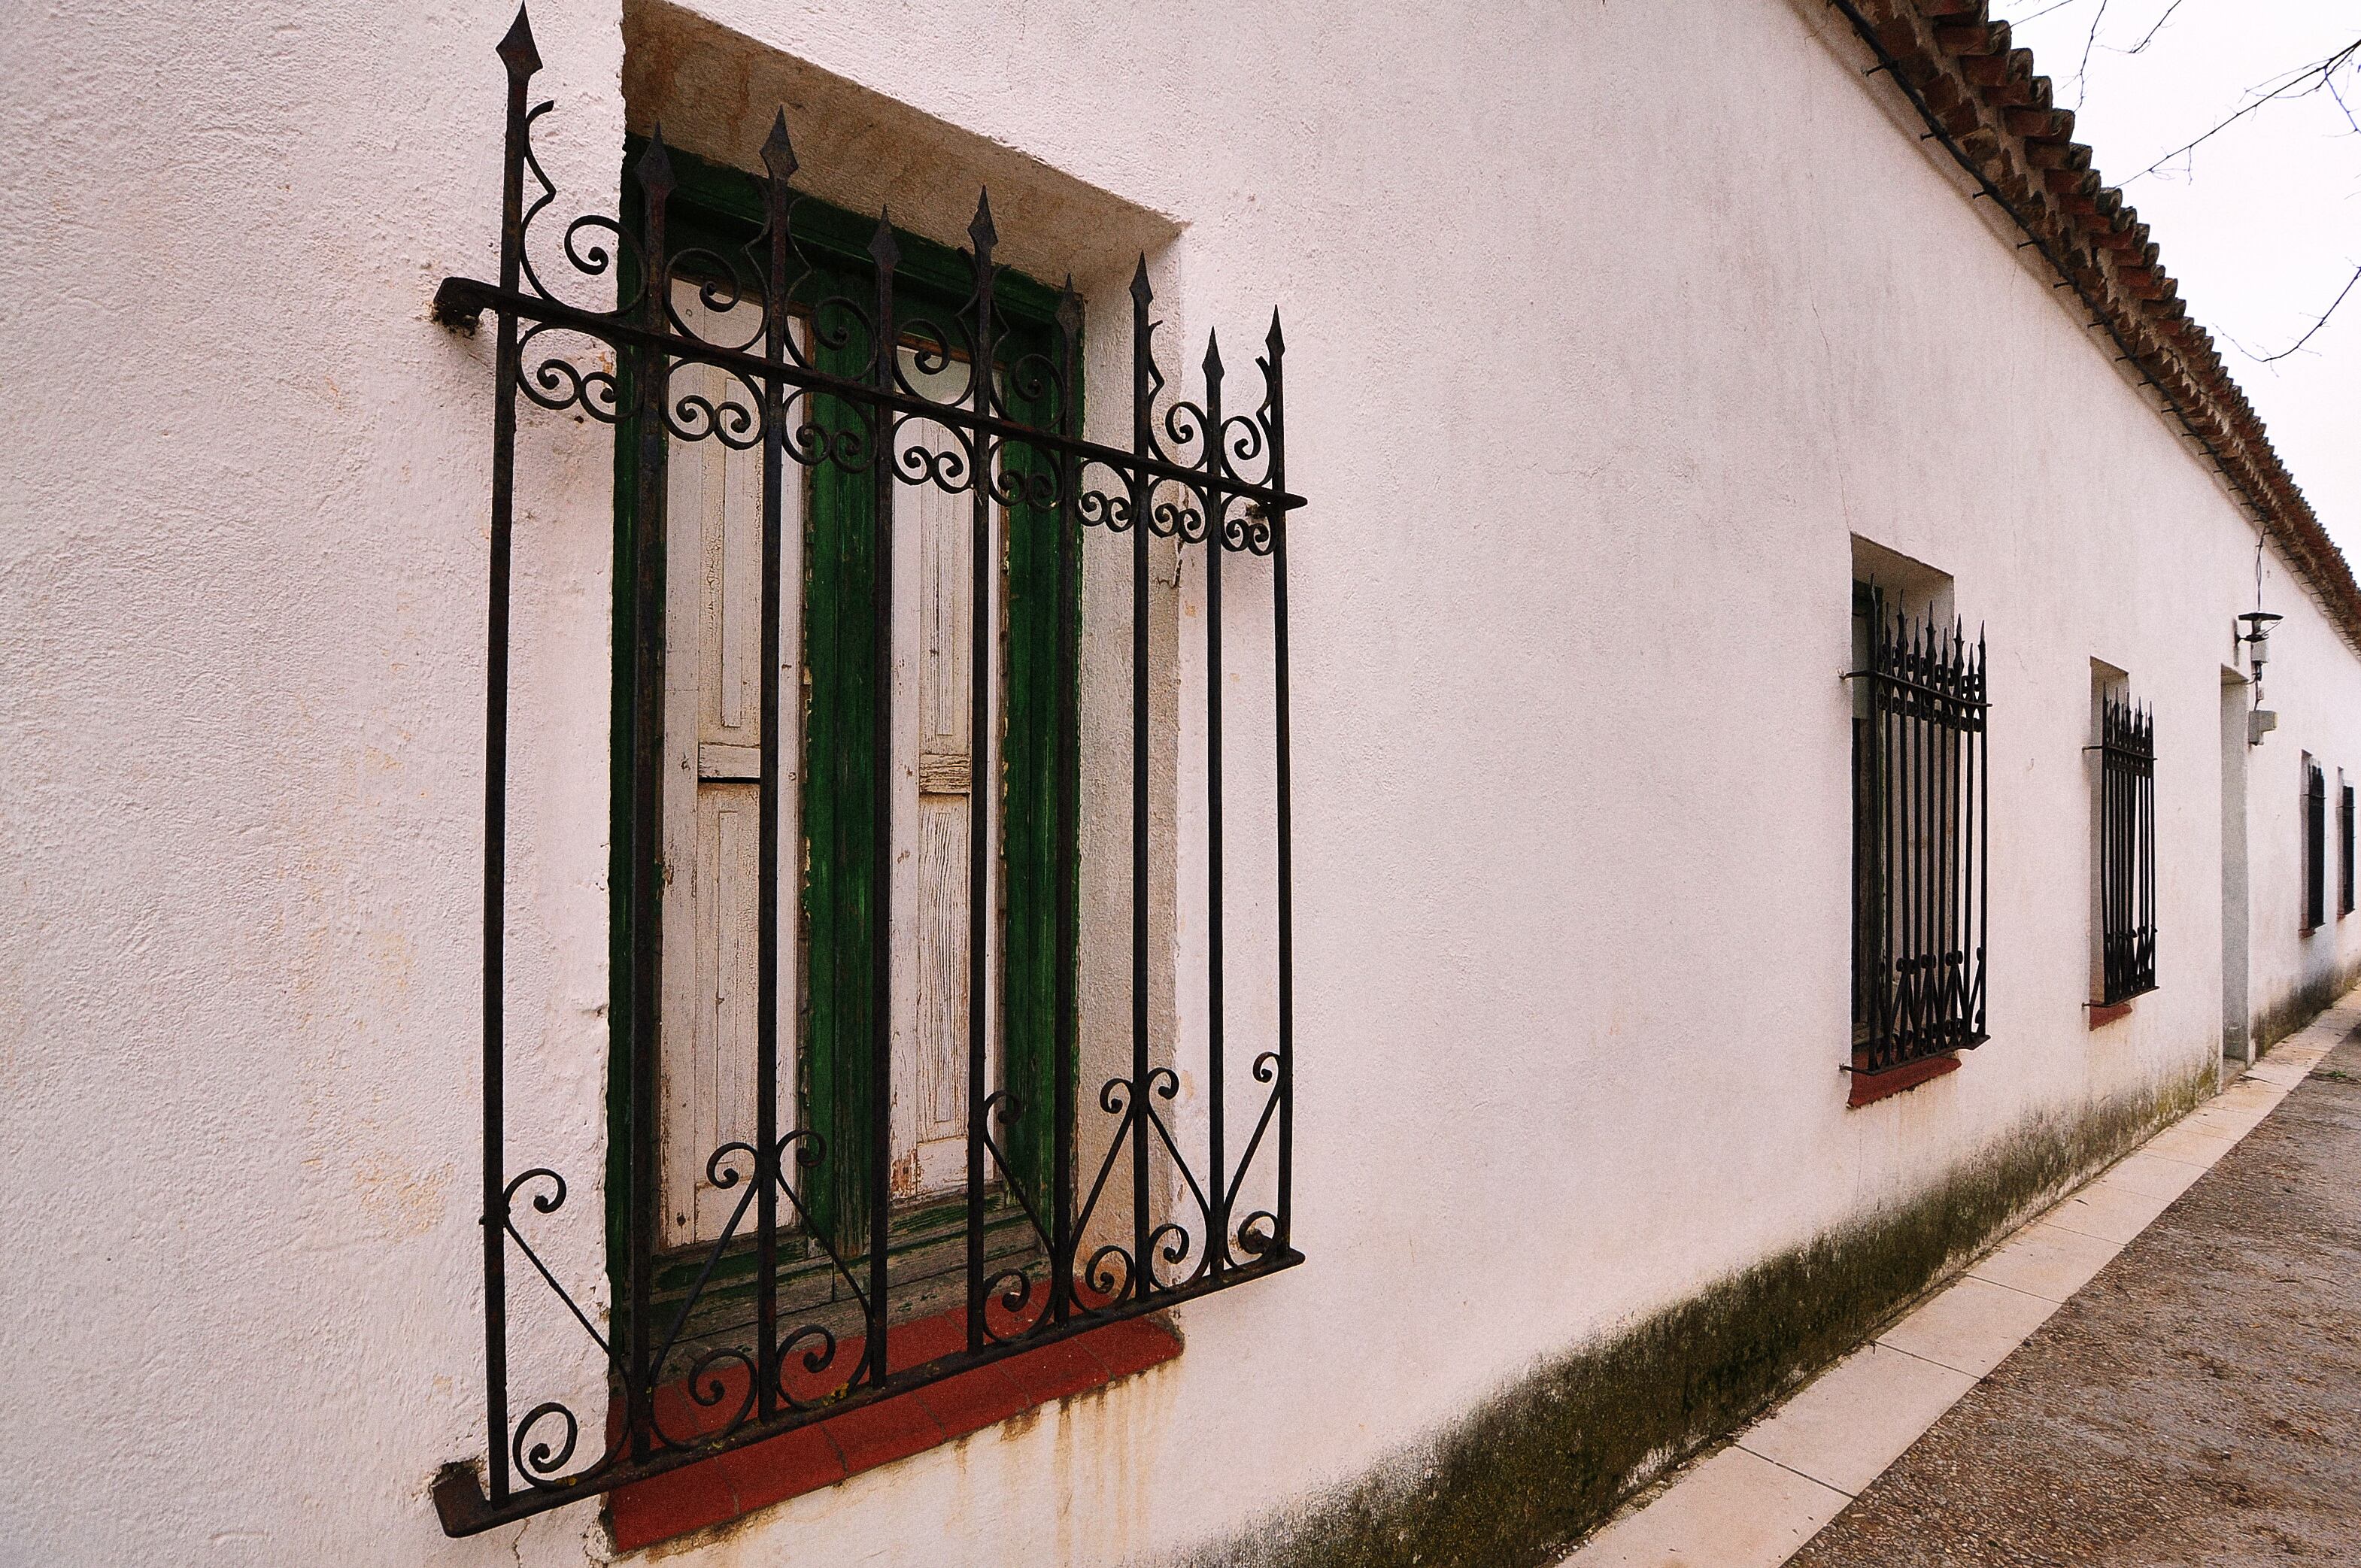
(2199, 1396)
(2198, 1404)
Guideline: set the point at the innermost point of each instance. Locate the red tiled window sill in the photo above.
(2103, 1015)
(1868, 1088)
(728, 1486)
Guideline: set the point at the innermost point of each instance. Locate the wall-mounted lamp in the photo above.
(2257, 639)
(2261, 721)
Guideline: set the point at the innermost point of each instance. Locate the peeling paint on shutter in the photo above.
(713, 741)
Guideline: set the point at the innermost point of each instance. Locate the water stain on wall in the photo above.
(401, 1203)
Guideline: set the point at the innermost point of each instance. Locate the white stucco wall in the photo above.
(1609, 327)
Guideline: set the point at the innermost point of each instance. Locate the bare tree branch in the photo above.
(2343, 108)
(2082, 70)
(2297, 84)
(2310, 332)
(2058, 5)
(2161, 21)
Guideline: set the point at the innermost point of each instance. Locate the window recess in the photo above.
(2126, 850)
(850, 1154)
(2315, 847)
(2344, 849)
(1921, 821)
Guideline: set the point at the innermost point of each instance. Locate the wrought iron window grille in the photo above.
(1921, 841)
(815, 377)
(2343, 850)
(2126, 850)
(2315, 848)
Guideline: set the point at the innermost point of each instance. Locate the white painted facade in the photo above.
(1609, 329)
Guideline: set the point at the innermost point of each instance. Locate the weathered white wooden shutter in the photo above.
(934, 588)
(713, 710)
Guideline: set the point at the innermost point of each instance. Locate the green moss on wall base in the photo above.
(1545, 1460)
(2301, 1006)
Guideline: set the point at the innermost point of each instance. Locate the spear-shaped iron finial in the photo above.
(517, 51)
(979, 232)
(778, 152)
(883, 249)
(655, 165)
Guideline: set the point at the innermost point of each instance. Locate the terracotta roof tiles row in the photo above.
(1981, 97)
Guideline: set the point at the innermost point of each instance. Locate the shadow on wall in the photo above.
(1519, 1479)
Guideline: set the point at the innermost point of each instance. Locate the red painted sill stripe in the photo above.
(1868, 1088)
(722, 1488)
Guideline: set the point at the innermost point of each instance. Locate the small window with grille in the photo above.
(2344, 846)
(1920, 823)
(2125, 849)
(2315, 845)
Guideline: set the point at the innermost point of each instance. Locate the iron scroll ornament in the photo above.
(814, 376)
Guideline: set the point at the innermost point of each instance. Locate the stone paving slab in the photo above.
(1735, 1510)
(1971, 1327)
(1756, 1503)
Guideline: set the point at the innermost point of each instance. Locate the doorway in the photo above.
(2237, 1037)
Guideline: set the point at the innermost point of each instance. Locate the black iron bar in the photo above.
(2139, 850)
(1982, 737)
(1860, 874)
(1063, 1042)
(1897, 862)
(1916, 844)
(1873, 813)
(1275, 348)
(2125, 803)
(2148, 852)
(779, 157)
(1144, 489)
(1934, 741)
(457, 298)
(1955, 977)
(1940, 739)
(1911, 827)
(1904, 855)
(518, 54)
(1217, 1224)
(983, 786)
(2111, 923)
(886, 352)
(1892, 828)
(655, 179)
(2109, 827)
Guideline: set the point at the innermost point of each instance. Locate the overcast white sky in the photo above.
(2262, 223)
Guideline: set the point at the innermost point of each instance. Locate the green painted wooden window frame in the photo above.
(719, 208)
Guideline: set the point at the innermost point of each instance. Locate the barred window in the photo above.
(2344, 849)
(1921, 836)
(2315, 847)
(851, 1152)
(2126, 850)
